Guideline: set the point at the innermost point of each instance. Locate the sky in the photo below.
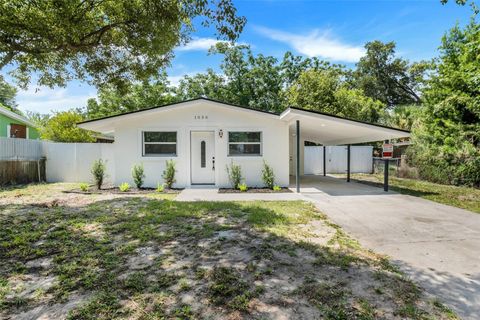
(332, 30)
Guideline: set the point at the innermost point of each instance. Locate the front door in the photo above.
(202, 155)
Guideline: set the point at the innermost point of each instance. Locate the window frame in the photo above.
(260, 154)
(156, 155)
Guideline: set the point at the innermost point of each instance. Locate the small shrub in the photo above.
(98, 171)
(169, 174)
(268, 176)
(160, 187)
(138, 175)
(84, 187)
(124, 187)
(277, 188)
(234, 175)
(243, 187)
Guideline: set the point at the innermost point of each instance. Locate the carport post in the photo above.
(297, 162)
(348, 163)
(385, 175)
(324, 161)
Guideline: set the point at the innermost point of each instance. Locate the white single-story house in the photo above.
(203, 136)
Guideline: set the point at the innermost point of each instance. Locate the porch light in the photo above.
(220, 133)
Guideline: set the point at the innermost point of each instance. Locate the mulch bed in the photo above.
(116, 190)
(253, 190)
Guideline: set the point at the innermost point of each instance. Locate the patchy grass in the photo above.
(460, 197)
(104, 256)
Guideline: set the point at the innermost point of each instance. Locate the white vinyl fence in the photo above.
(20, 149)
(72, 162)
(361, 159)
(65, 162)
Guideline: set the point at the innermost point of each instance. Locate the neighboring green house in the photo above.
(13, 125)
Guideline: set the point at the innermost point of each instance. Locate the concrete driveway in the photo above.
(437, 245)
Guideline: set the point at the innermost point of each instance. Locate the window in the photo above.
(156, 143)
(245, 143)
(203, 160)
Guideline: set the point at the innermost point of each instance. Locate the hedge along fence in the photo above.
(63, 162)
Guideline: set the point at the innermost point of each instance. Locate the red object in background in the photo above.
(387, 150)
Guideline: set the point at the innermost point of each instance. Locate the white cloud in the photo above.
(199, 44)
(44, 99)
(317, 43)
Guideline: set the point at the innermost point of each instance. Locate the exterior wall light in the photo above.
(220, 133)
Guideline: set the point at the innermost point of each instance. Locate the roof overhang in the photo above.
(107, 124)
(16, 117)
(315, 126)
(332, 130)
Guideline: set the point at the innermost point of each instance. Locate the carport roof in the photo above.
(328, 129)
(315, 126)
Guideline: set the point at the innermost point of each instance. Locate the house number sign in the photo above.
(200, 117)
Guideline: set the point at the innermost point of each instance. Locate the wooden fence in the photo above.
(22, 171)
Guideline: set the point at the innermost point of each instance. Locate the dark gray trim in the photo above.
(324, 161)
(348, 162)
(297, 163)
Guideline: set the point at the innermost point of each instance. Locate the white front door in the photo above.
(202, 155)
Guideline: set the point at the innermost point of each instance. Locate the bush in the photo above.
(277, 188)
(124, 187)
(84, 187)
(169, 174)
(243, 187)
(98, 171)
(160, 187)
(268, 176)
(138, 175)
(234, 175)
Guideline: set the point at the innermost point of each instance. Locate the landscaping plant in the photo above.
(98, 171)
(124, 187)
(277, 188)
(243, 187)
(268, 176)
(138, 175)
(160, 187)
(169, 174)
(84, 187)
(234, 173)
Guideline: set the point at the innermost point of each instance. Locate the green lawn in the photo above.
(142, 257)
(461, 197)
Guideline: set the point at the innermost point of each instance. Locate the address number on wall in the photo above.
(200, 117)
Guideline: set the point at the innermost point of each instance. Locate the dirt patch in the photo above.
(110, 256)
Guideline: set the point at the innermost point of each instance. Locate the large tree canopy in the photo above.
(447, 137)
(61, 127)
(136, 96)
(385, 77)
(102, 41)
(326, 91)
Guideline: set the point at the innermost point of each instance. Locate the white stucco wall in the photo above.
(128, 142)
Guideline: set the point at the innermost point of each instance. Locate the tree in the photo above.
(7, 96)
(247, 79)
(61, 127)
(103, 41)
(447, 136)
(392, 80)
(133, 97)
(326, 91)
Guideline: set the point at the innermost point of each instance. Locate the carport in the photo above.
(329, 130)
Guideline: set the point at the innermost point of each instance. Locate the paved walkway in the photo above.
(438, 246)
(213, 195)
